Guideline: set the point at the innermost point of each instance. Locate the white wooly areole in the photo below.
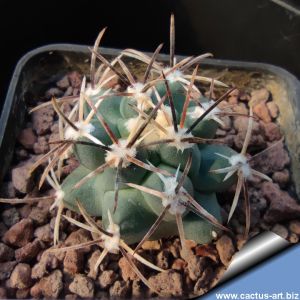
(83, 131)
(172, 198)
(198, 111)
(120, 152)
(178, 137)
(58, 203)
(173, 76)
(143, 99)
(112, 243)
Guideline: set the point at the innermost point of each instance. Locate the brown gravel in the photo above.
(21, 276)
(168, 283)
(28, 270)
(6, 253)
(225, 248)
(20, 234)
(82, 286)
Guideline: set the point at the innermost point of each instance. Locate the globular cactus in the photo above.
(147, 153)
(150, 134)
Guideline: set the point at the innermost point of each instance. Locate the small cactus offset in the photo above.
(150, 166)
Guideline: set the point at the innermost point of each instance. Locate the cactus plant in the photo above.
(147, 153)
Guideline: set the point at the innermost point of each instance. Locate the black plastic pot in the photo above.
(43, 66)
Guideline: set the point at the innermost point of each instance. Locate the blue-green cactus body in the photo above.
(126, 110)
(178, 93)
(136, 210)
(209, 181)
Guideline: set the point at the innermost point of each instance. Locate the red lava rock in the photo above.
(256, 141)
(10, 216)
(21, 154)
(52, 285)
(41, 146)
(241, 108)
(21, 276)
(93, 273)
(233, 97)
(3, 294)
(126, 270)
(274, 159)
(6, 253)
(78, 237)
(53, 92)
(295, 227)
(175, 248)
(44, 233)
(22, 178)
(151, 245)
(55, 128)
(107, 278)
(207, 251)
(281, 177)
(27, 138)
(54, 136)
(25, 210)
(179, 264)
(73, 262)
(203, 281)
(293, 238)
(73, 297)
(261, 110)
(35, 290)
(273, 109)
(281, 231)
(19, 234)
(68, 92)
(282, 206)
(39, 216)
(241, 124)
(137, 289)
(272, 131)
(225, 248)
(163, 258)
(40, 269)
(168, 283)
(190, 244)
(42, 120)
(23, 293)
(196, 265)
(75, 79)
(63, 83)
(82, 286)
(28, 252)
(6, 268)
(75, 92)
(120, 289)
(46, 204)
(258, 96)
(245, 97)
